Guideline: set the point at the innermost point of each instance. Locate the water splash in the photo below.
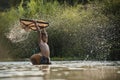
(17, 34)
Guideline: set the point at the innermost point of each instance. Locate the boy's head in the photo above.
(44, 37)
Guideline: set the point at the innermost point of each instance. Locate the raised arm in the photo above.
(39, 32)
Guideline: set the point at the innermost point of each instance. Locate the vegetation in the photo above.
(79, 29)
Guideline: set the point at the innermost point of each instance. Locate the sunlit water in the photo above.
(60, 70)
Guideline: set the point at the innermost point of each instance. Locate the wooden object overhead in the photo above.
(31, 24)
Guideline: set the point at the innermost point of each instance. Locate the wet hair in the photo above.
(44, 34)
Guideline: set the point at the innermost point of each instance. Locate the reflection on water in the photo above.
(60, 70)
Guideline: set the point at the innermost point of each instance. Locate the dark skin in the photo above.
(45, 52)
(43, 39)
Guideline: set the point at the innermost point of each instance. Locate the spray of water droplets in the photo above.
(16, 33)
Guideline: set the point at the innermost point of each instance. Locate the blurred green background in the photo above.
(79, 29)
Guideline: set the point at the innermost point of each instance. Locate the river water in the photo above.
(61, 70)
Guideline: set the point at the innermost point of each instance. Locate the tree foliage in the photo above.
(80, 29)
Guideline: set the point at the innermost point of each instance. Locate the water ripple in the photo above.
(60, 70)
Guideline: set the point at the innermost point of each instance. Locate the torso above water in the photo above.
(45, 51)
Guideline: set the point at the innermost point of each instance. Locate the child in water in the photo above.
(44, 56)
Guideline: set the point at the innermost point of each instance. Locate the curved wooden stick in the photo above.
(31, 23)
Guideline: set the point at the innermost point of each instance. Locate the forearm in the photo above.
(39, 32)
(39, 36)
